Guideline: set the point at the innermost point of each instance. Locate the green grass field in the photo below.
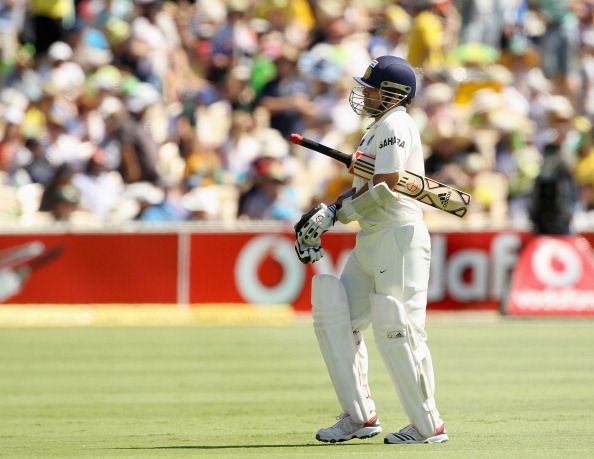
(506, 388)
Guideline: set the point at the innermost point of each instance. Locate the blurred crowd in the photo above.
(114, 111)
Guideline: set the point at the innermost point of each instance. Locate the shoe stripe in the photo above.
(371, 422)
(403, 437)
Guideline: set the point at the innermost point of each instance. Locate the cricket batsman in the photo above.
(385, 279)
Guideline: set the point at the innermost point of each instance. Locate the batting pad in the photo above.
(407, 360)
(343, 350)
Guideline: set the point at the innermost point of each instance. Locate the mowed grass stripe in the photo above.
(506, 388)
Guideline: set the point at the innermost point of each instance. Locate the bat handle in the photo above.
(320, 148)
(296, 138)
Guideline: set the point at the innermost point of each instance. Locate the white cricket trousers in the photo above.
(386, 278)
(394, 261)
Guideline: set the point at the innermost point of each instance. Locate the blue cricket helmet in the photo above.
(390, 73)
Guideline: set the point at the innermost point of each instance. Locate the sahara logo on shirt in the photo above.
(391, 141)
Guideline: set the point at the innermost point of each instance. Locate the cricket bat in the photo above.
(423, 189)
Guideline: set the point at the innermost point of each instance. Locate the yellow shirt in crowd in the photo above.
(55, 9)
(425, 42)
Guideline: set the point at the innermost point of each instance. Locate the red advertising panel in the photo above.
(472, 270)
(259, 268)
(468, 270)
(554, 276)
(99, 268)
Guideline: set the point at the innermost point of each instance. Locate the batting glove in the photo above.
(314, 223)
(308, 253)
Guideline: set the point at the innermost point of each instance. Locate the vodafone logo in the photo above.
(252, 270)
(556, 264)
(554, 276)
(256, 252)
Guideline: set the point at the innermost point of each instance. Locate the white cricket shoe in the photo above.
(345, 429)
(410, 435)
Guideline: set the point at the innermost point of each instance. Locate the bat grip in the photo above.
(313, 145)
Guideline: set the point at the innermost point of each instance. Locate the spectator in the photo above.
(138, 149)
(233, 41)
(553, 195)
(449, 147)
(62, 178)
(66, 199)
(50, 21)
(584, 170)
(241, 148)
(269, 197)
(482, 22)
(396, 24)
(12, 16)
(153, 35)
(170, 209)
(426, 39)
(287, 97)
(559, 42)
(585, 94)
(12, 140)
(99, 188)
(22, 76)
(37, 165)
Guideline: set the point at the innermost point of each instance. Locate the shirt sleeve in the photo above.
(392, 144)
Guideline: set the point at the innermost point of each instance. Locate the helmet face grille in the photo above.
(361, 104)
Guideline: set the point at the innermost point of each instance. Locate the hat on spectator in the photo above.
(144, 192)
(398, 19)
(485, 100)
(68, 194)
(438, 93)
(500, 74)
(260, 25)
(319, 64)
(202, 199)
(214, 11)
(241, 72)
(117, 31)
(11, 97)
(474, 163)
(14, 115)
(238, 6)
(60, 51)
(272, 144)
(454, 134)
(330, 9)
(107, 77)
(506, 121)
(288, 53)
(537, 81)
(110, 106)
(560, 107)
(143, 96)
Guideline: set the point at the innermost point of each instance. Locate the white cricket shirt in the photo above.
(394, 141)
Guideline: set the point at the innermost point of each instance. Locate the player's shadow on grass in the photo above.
(306, 445)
